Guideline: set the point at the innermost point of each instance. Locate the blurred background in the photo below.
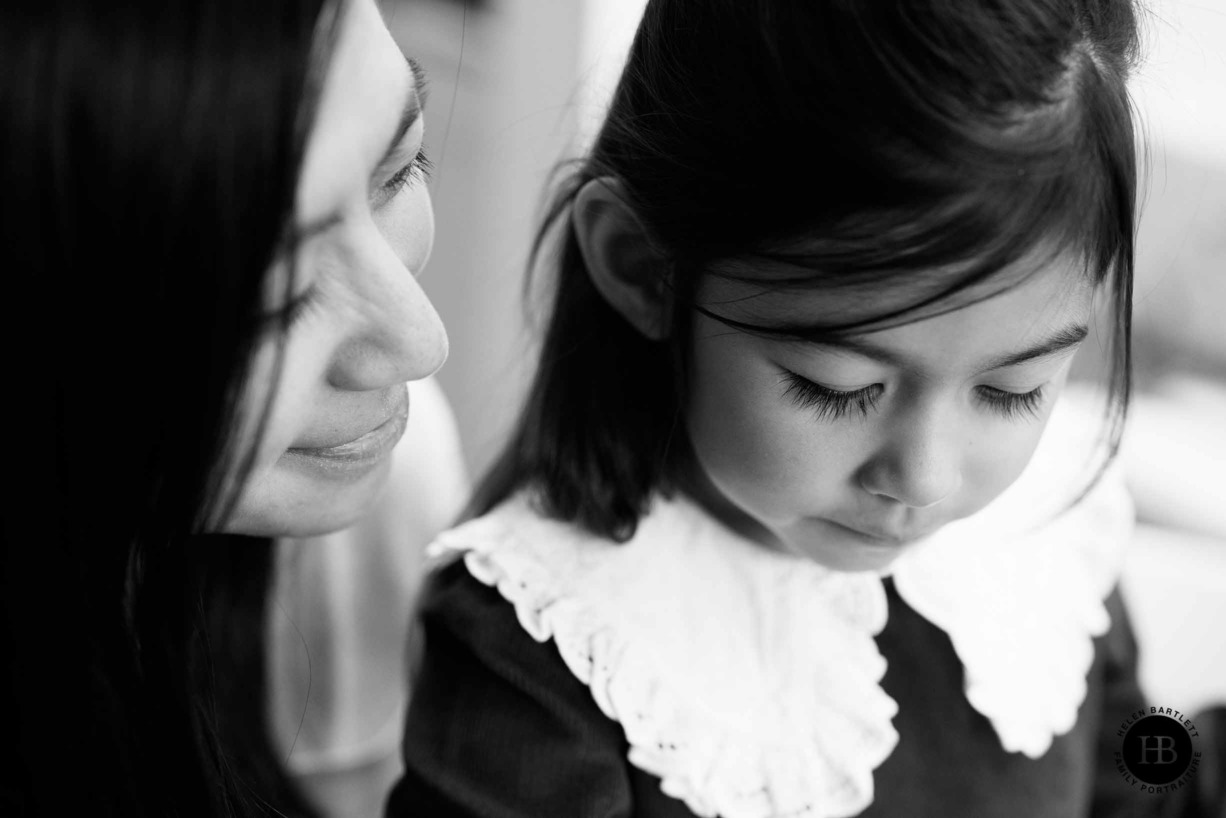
(516, 85)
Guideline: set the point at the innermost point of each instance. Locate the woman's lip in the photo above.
(369, 446)
(364, 450)
(350, 420)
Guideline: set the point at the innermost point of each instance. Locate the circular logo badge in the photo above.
(1158, 752)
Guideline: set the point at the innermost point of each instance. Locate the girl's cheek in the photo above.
(754, 443)
(729, 411)
(764, 447)
(998, 457)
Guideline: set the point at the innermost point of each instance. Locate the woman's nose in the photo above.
(396, 335)
(919, 466)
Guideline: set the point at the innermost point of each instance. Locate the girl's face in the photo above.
(846, 453)
(361, 324)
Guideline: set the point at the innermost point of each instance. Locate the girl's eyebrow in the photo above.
(1058, 341)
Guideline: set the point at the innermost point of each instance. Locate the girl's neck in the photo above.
(688, 477)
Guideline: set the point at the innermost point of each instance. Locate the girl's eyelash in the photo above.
(418, 169)
(833, 404)
(1013, 404)
(830, 403)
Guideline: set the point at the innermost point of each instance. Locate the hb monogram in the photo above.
(1163, 747)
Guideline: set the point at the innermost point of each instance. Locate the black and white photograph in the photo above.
(614, 408)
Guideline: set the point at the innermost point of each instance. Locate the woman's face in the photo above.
(847, 453)
(361, 325)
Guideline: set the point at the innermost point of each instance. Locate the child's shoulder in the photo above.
(464, 615)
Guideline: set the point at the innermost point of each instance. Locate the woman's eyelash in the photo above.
(1013, 404)
(418, 169)
(830, 403)
(293, 313)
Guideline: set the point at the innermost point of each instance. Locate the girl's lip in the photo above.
(880, 538)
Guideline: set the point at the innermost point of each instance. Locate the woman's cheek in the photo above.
(407, 224)
(294, 390)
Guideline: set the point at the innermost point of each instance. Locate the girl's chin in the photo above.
(841, 549)
(875, 559)
(292, 501)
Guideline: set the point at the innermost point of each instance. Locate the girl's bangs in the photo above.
(1010, 213)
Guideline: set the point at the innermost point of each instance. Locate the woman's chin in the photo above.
(293, 501)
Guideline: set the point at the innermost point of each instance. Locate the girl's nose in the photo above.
(919, 467)
(396, 335)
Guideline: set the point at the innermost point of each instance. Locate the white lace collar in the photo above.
(748, 680)
(1019, 587)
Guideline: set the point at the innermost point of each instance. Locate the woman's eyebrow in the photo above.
(413, 104)
(307, 231)
(414, 101)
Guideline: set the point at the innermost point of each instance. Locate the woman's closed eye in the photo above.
(294, 312)
(418, 169)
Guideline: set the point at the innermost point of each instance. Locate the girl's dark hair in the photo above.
(917, 143)
(150, 153)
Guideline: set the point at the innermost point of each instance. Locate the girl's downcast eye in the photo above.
(830, 403)
(1013, 405)
(834, 404)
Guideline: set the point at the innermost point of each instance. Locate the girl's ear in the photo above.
(620, 258)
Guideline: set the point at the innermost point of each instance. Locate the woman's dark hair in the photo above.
(919, 143)
(150, 153)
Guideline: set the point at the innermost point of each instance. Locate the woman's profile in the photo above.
(214, 215)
